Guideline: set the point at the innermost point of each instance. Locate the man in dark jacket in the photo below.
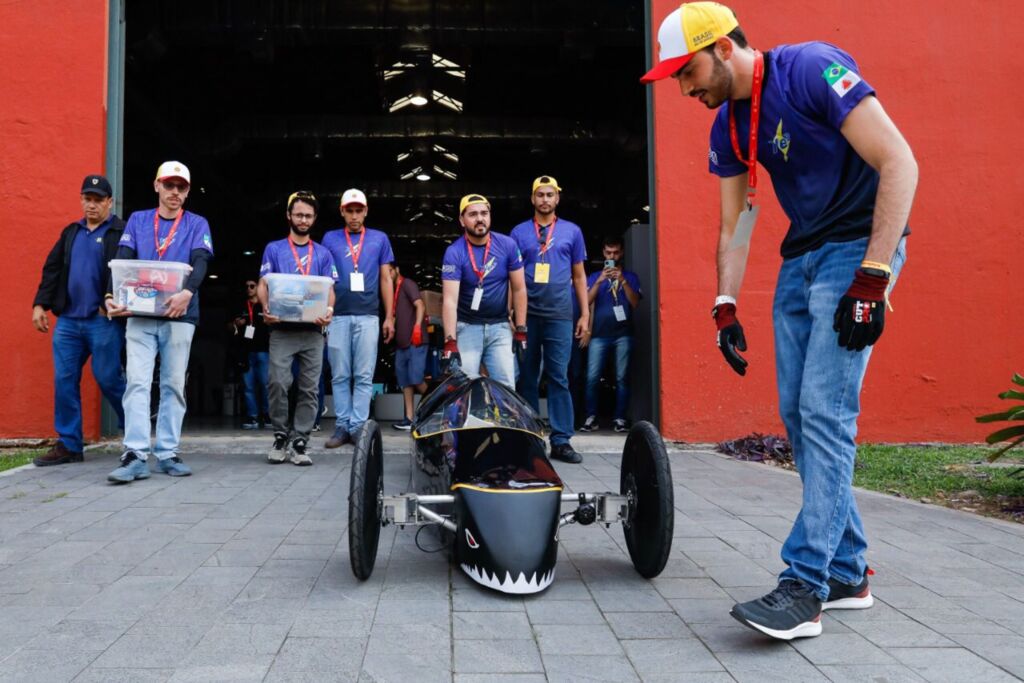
(74, 279)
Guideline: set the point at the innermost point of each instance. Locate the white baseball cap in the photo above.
(173, 169)
(686, 31)
(353, 196)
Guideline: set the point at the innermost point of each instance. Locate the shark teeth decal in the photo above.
(519, 585)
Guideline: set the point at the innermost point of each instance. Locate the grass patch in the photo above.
(10, 460)
(956, 476)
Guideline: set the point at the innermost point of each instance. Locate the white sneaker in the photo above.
(279, 451)
(590, 425)
(298, 450)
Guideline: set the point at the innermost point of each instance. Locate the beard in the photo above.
(721, 84)
(301, 229)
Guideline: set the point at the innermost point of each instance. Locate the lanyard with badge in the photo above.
(355, 278)
(481, 273)
(618, 309)
(250, 329)
(542, 269)
(748, 216)
(161, 249)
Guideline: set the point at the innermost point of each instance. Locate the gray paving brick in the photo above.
(645, 625)
(905, 633)
(250, 672)
(949, 664)
(500, 678)
(702, 611)
(496, 656)
(97, 675)
(78, 636)
(172, 644)
(571, 668)
(656, 657)
(576, 639)
(320, 655)
(841, 648)
(491, 625)
(769, 661)
(546, 611)
(688, 588)
(631, 600)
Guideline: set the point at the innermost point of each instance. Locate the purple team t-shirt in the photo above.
(503, 258)
(375, 252)
(278, 258)
(826, 189)
(551, 300)
(605, 301)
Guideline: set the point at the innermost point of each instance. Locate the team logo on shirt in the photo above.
(713, 156)
(780, 143)
(353, 250)
(207, 242)
(448, 268)
(489, 266)
(126, 238)
(334, 271)
(840, 78)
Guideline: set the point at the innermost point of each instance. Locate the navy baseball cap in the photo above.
(97, 184)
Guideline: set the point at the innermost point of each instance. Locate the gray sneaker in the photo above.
(279, 451)
(299, 457)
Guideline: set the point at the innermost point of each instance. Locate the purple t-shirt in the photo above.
(405, 313)
(551, 300)
(456, 267)
(193, 233)
(825, 188)
(607, 298)
(375, 252)
(278, 258)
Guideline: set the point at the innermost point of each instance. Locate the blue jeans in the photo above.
(352, 348)
(74, 340)
(819, 399)
(490, 344)
(598, 355)
(147, 337)
(553, 340)
(256, 378)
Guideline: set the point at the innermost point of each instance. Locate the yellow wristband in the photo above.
(109, 296)
(878, 265)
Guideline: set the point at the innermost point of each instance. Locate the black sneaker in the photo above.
(299, 456)
(790, 611)
(405, 424)
(844, 596)
(590, 424)
(620, 426)
(279, 451)
(251, 423)
(57, 455)
(565, 453)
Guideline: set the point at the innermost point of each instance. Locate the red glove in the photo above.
(730, 336)
(417, 335)
(860, 315)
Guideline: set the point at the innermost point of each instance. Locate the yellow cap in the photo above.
(685, 32)
(472, 199)
(545, 180)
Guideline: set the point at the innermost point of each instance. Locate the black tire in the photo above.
(366, 485)
(647, 475)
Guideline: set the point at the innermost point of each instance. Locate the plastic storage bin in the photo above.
(145, 286)
(298, 298)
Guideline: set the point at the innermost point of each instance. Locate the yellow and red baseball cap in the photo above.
(174, 169)
(687, 31)
(472, 199)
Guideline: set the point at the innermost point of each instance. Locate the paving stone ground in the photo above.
(241, 573)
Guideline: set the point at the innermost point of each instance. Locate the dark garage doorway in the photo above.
(266, 97)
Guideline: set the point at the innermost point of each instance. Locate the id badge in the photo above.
(250, 331)
(745, 227)
(541, 273)
(478, 295)
(620, 313)
(355, 282)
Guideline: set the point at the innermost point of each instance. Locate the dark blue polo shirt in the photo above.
(86, 272)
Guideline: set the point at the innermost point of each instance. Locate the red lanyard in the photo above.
(398, 289)
(755, 116)
(161, 250)
(252, 321)
(298, 261)
(544, 244)
(481, 273)
(355, 253)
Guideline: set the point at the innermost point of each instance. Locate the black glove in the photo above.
(860, 315)
(730, 336)
(451, 359)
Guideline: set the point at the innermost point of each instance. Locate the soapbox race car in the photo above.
(480, 472)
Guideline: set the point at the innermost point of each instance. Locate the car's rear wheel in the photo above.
(646, 481)
(366, 486)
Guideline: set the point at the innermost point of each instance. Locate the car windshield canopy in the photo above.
(463, 403)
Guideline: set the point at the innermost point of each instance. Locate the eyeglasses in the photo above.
(169, 186)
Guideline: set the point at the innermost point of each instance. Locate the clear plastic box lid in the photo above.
(157, 265)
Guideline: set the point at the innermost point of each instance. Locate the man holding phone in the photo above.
(614, 293)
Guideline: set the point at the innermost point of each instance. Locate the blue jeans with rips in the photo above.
(352, 349)
(819, 400)
(146, 338)
(490, 344)
(74, 340)
(551, 339)
(256, 378)
(599, 349)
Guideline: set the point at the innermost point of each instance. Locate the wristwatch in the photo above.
(876, 272)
